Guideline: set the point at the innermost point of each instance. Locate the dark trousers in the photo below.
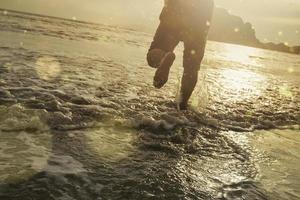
(168, 36)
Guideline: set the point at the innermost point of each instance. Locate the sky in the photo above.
(274, 20)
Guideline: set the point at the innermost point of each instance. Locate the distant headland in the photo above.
(232, 29)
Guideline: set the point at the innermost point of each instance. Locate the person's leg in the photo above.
(160, 54)
(162, 73)
(193, 54)
(165, 40)
(188, 84)
(155, 56)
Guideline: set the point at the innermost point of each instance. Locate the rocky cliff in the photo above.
(232, 29)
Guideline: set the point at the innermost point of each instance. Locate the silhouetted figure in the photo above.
(187, 21)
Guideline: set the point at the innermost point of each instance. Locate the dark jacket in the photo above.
(188, 13)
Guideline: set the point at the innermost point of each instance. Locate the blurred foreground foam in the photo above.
(25, 143)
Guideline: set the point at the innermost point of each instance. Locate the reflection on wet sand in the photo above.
(241, 54)
(280, 161)
(243, 83)
(82, 115)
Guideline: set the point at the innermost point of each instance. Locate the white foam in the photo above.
(17, 118)
(63, 164)
(23, 154)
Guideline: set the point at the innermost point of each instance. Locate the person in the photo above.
(187, 21)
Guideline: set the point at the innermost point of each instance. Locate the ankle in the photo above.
(182, 106)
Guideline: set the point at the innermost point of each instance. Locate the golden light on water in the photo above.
(47, 67)
(241, 54)
(241, 83)
(285, 91)
(279, 160)
(238, 78)
(111, 143)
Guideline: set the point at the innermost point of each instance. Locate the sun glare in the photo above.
(241, 54)
(241, 83)
(111, 143)
(47, 68)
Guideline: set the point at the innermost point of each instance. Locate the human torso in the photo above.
(187, 12)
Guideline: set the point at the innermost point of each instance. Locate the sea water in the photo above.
(80, 119)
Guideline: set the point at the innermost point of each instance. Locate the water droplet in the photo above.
(47, 68)
(291, 70)
(5, 12)
(236, 30)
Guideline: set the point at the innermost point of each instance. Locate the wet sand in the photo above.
(80, 119)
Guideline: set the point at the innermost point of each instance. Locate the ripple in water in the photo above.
(76, 141)
(25, 143)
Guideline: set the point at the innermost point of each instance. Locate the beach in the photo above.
(80, 119)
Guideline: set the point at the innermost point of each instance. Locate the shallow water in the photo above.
(80, 119)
